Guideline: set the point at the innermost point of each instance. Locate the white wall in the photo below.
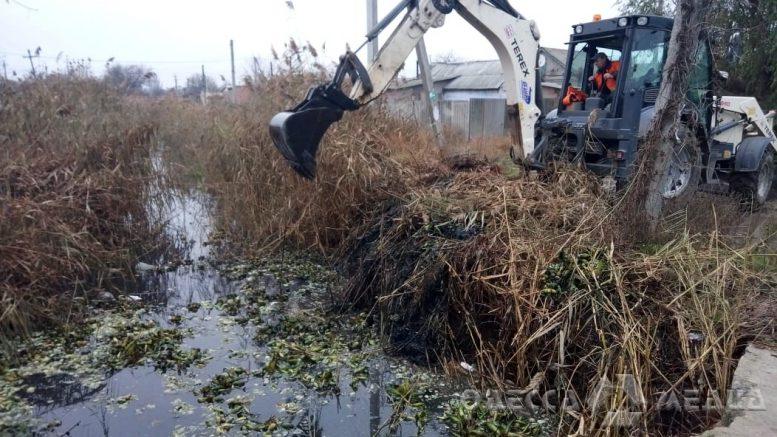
(457, 95)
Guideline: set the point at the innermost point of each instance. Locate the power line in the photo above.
(90, 59)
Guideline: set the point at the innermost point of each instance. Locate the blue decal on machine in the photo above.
(526, 92)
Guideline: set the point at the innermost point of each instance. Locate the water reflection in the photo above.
(56, 391)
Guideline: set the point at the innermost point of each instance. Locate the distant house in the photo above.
(482, 80)
(243, 94)
(475, 81)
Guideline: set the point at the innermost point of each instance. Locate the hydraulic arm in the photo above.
(298, 131)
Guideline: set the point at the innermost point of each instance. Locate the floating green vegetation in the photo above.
(408, 404)
(221, 384)
(133, 340)
(312, 349)
(238, 417)
(230, 305)
(571, 273)
(105, 343)
(477, 419)
(287, 269)
(297, 341)
(304, 345)
(14, 412)
(360, 371)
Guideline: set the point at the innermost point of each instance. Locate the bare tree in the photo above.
(129, 79)
(667, 130)
(194, 86)
(448, 58)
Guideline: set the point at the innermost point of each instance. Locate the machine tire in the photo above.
(687, 149)
(753, 188)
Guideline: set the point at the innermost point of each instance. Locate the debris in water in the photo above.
(143, 267)
(468, 367)
(181, 408)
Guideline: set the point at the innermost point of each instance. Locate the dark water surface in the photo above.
(140, 401)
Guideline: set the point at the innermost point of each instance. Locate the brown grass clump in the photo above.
(73, 171)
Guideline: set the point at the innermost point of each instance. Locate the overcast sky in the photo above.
(175, 37)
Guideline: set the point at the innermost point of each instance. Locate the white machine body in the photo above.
(732, 109)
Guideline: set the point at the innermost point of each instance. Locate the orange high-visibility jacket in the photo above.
(612, 68)
(574, 95)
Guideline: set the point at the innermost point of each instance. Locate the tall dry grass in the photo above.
(364, 159)
(74, 165)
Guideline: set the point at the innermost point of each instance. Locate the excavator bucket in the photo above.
(297, 134)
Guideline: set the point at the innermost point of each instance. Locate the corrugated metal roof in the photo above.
(474, 75)
(481, 82)
(442, 72)
(560, 54)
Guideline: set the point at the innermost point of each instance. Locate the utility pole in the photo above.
(5, 72)
(430, 95)
(372, 21)
(29, 56)
(204, 87)
(232, 58)
(175, 78)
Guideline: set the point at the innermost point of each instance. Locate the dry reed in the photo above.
(73, 171)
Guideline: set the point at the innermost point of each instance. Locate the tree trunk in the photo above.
(645, 195)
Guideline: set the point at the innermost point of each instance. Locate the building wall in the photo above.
(554, 71)
(454, 95)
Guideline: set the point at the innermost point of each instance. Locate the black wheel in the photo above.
(683, 172)
(754, 187)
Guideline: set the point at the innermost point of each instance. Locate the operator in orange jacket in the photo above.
(604, 77)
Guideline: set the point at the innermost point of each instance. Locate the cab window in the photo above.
(700, 82)
(583, 59)
(646, 63)
(577, 71)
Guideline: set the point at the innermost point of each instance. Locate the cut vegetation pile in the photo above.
(532, 281)
(73, 172)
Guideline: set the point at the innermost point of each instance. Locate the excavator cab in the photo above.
(600, 127)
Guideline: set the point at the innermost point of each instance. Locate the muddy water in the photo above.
(141, 400)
